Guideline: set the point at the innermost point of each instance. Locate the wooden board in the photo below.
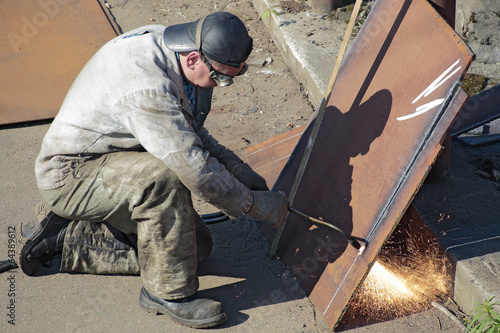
(393, 101)
(43, 47)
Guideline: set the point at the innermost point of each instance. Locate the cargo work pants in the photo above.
(150, 224)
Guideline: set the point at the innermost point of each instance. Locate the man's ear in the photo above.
(192, 59)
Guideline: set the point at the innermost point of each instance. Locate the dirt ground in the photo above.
(259, 294)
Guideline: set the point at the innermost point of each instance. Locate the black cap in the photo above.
(224, 38)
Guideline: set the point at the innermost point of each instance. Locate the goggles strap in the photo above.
(199, 27)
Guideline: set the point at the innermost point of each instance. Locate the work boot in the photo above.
(39, 242)
(190, 311)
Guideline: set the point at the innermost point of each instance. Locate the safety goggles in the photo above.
(222, 80)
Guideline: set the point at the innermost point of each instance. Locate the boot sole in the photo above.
(27, 236)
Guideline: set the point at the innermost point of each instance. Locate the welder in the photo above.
(126, 151)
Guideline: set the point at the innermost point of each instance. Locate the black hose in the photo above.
(7, 265)
(213, 218)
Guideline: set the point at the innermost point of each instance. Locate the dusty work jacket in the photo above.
(130, 96)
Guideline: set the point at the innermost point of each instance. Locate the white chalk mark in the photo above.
(439, 81)
(422, 109)
(443, 81)
(445, 76)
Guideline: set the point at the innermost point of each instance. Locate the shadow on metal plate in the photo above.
(395, 97)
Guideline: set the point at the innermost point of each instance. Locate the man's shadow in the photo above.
(325, 188)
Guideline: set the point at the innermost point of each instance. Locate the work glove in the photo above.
(251, 179)
(269, 207)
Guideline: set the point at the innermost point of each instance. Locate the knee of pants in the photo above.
(139, 177)
(162, 182)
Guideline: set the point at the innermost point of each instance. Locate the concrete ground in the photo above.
(260, 295)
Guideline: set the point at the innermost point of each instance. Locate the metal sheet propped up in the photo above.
(43, 47)
(393, 101)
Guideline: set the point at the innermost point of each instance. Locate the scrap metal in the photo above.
(481, 109)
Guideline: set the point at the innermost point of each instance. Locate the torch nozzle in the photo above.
(361, 249)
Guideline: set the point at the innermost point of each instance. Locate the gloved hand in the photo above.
(269, 207)
(251, 179)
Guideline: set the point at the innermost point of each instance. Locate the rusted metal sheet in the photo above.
(43, 47)
(392, 103)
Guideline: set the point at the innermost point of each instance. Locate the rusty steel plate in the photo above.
(43, 47)
(392, 103)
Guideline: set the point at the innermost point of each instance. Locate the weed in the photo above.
(268, 13)
(484, 319)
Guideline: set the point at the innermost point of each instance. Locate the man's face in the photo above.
(198, 74)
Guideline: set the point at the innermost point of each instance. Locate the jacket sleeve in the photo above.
(224, 155)
(157, 121)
